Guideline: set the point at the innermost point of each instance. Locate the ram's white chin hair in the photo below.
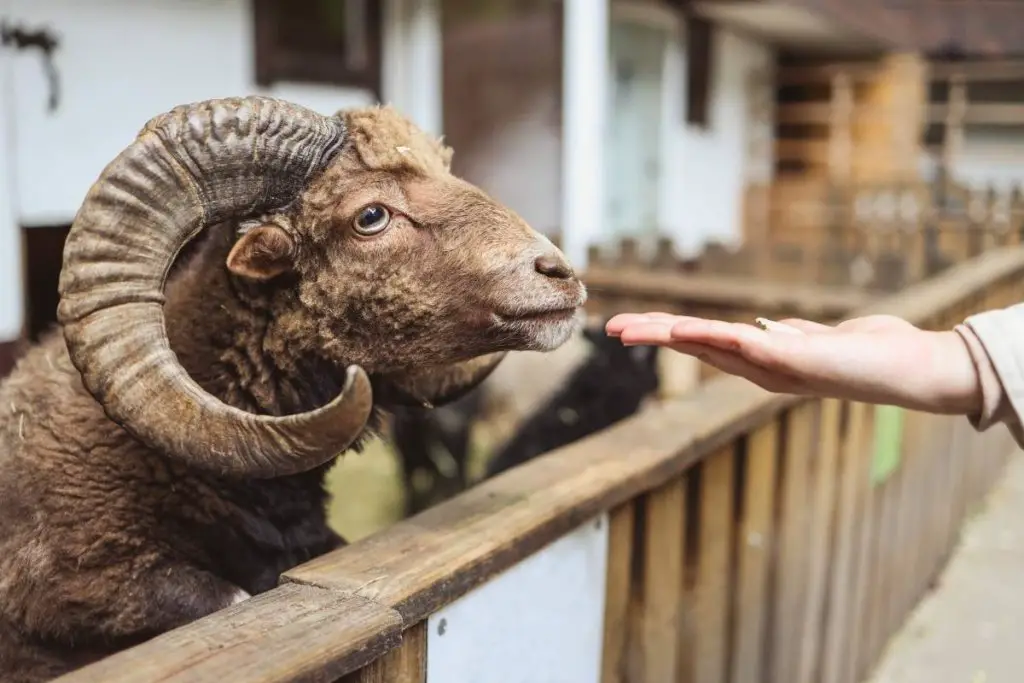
(548, 335)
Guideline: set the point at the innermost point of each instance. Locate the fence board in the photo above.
(755, 544)
(823, 494)
(794, 520)
(617, 594)
(664, 558)
(407, 663)
(714, 578)
(293, 633)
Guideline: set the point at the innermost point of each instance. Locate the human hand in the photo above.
(873, 359)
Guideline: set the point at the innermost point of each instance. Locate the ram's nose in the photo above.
(554, 265)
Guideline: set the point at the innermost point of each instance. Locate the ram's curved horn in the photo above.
(189, 168)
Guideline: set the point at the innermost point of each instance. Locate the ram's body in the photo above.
(163, 457)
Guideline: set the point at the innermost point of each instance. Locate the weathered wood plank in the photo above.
(725, 291)
(840, 623)
(407, 663)
(823, 502)
(662, 610)
(617, 594)
(427, 561)
(862, 418)
(794, 524)
(291, 634)
(755, 543)
(713, 586)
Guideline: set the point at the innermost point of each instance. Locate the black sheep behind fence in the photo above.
(607, 386)
(610, 386)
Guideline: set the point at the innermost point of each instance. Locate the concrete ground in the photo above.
(971, 629)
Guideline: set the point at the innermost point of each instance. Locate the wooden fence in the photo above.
(732, 536)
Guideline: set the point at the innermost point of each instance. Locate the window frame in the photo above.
(275, 62)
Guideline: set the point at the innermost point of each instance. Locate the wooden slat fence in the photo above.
(731, 536)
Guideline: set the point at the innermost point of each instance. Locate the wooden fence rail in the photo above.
(732, 536)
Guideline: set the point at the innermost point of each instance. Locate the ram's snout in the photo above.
(538, 297)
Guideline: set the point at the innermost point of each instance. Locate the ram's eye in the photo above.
(372, 219)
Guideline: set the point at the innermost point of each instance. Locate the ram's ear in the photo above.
(437, 386)
(262, 252)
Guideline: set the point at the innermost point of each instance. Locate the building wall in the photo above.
(707, 171)
(991, 156)
(502, 109)
(502, 114)
(122, 61)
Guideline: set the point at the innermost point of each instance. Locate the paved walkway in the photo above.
(971, 629)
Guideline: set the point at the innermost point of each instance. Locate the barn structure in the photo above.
(720, 535)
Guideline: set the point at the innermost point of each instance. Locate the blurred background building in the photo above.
(692, 120)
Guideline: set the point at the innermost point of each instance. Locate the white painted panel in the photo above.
(541, 621)
(123, 61)
(584, 112)
(10, 234)
(706, 170)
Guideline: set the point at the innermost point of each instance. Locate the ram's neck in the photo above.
(223, 334)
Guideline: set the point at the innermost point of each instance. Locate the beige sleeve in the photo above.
(996, 343)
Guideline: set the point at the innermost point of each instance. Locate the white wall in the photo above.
(540, 621)
(10, 236)
(122, 61)
(991, 156)
(705, 171)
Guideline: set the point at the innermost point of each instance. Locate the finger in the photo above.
(619, 322)
(655, 333)
(711, 332)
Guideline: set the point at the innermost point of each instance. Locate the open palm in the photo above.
(877, 359)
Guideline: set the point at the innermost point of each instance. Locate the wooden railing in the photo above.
(730, 536)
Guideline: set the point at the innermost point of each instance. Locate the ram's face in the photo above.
(406, 264)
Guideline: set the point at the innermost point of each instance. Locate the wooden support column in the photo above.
(889, 121)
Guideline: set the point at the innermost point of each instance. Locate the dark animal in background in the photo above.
(609, 383)
(610, 386)
(163, 458)
(418, 433)
(436, 442)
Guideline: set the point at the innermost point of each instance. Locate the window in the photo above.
(699, 51)
(330, 42)
(44, 257)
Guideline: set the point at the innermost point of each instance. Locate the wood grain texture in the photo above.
(840, 624)
(793, 552)
(618, 585)
(661, 619)
(726, 291)
(823, 503)
(713, 588)
(867, 559)
(429, 560)
(291, 634)
(406, 663)
(755, 543)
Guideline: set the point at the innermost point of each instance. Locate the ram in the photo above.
(162, 455)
